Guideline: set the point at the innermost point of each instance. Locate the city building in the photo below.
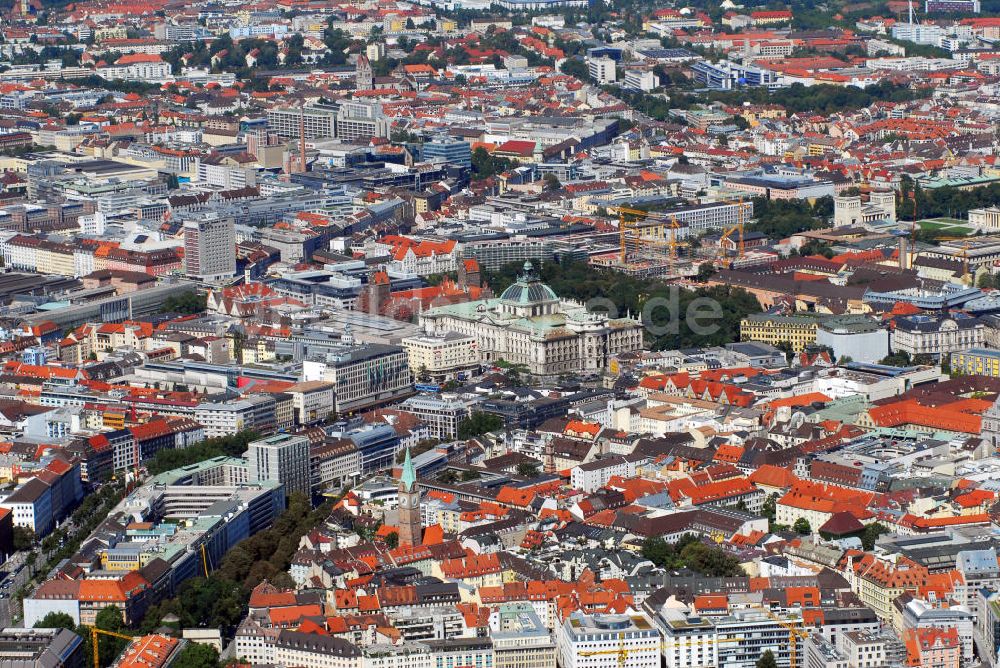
(797, 330)
(529, 325)
(594, 640)
(852, 211)
(363, 375)
(282, 459)
(441, 414)
(209, 247)
(855, 338)
(41, 648)
(602, 70)
(520, 639)
(451, 151)
(184, 521)
(410, 528)
(976, 361)
(936, 335)
(441, 357)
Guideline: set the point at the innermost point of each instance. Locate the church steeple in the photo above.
(410, 528)
(409, 476)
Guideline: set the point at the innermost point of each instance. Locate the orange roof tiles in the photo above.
(962, 419)
(773, 476)
(801, 400)
(286, 617)
(826, 498)
(580, 427)
(976, 497)
(151, 651)
(471, 566)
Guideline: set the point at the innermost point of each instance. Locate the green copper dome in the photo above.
(528, 289)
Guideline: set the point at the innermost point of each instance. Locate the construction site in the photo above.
(657, 244)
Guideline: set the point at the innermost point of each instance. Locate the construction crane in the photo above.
(204, 559)
(794, 633)
(622, 652)
(913, 228)
(966, 242)
(627, 220)
(738, 227)
(95, 633)
(674, 226)
(635, 232)
(703, 641)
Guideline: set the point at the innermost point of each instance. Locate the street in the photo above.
(17, 572)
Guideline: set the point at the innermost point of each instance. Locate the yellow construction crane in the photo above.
(966, 242)
(633, 229)
(674, 226)
(709, 641)
(794, 632)
(204, 559)
(628, 220)
(738, 227)
(622, 651)
(95, 633)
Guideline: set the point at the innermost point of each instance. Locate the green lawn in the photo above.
(947, 226)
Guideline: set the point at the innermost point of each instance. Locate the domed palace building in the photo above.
(530, 325)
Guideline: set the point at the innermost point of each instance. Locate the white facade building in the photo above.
(597, 641)
(530, 325)
(441, 355)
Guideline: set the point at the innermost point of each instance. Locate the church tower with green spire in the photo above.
(410, 531)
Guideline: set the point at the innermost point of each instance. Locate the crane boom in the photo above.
(95, 633)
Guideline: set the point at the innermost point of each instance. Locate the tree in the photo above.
(575, 67)
(900, 358)
(392, 540)
(24, 538)
(710, 561)
(230, 446)
(551, 182)
(871, 534)
(786, 347)
(479, 423)
(188, 303)
(656, 550)
(801, 526)
(705, 271)
(770, 507)
(513, 372)
(485, 165)
(196, 655)
(56, 620)
(110, 619)
(766, 660)
(527, 469)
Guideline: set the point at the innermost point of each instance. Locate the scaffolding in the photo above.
(646, 238)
